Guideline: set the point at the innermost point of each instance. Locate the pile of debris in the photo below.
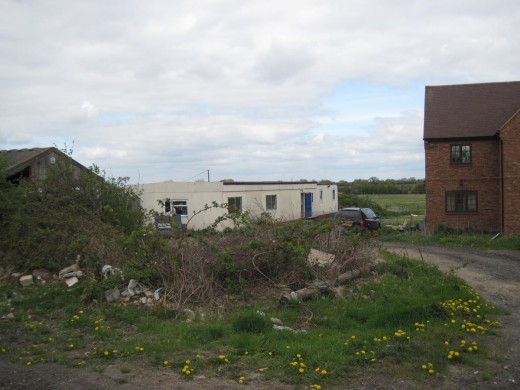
(70, 275)
(134, 292)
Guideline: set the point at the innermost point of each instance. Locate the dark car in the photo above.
(358, 217)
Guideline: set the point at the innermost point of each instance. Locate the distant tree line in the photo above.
(372, 185)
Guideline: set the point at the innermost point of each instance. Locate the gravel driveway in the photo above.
(496, 276)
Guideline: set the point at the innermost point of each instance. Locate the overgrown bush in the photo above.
(47, 222)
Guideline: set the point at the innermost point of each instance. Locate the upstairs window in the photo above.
(461, 202)
(235, 205)
(270, 202)
(460, 154)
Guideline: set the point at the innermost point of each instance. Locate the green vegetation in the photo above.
(377, 186)
(409, 319)
(398, 208)
(49, 222)
(406, 318)
(460, 239)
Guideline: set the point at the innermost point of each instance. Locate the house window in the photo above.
(179, 207)
(460, 154)
(235, 204)
(333, 194)
(270, 202)
(321, 195)
(461, 202)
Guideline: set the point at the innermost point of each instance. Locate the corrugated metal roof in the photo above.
(469, 110)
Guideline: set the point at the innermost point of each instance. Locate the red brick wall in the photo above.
(510, 136)
(481, 176)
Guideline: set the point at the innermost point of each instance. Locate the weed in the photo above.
(250, 322)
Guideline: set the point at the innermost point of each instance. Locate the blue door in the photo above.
(308, 204)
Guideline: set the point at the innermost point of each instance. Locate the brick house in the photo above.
(472, 156)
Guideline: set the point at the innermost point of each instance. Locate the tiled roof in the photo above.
(469, 110)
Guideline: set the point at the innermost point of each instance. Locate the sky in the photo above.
(245, 90)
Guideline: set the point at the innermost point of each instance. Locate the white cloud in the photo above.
(161, 88)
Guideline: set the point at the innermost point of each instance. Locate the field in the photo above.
(399, 207)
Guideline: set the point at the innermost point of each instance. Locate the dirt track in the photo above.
(495, 275)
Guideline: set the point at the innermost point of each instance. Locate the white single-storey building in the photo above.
(285, 201)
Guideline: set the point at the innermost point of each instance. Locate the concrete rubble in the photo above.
(26, 280)
(71, 274)
(278, 325)
(319, 258)
(135, 291)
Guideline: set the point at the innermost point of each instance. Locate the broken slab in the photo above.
(66, 270)
(112, 295)
(319, 258)
(26, 280)
(77, 274)
(276, 321)
(71, 281)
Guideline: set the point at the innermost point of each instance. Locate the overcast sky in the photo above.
(249, 90)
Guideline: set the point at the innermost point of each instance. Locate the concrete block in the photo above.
(26, 280)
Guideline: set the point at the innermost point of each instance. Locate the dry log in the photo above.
(308, 292)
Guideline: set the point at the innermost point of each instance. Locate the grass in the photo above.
(408, 316)
(458, 239)
(398, 207)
